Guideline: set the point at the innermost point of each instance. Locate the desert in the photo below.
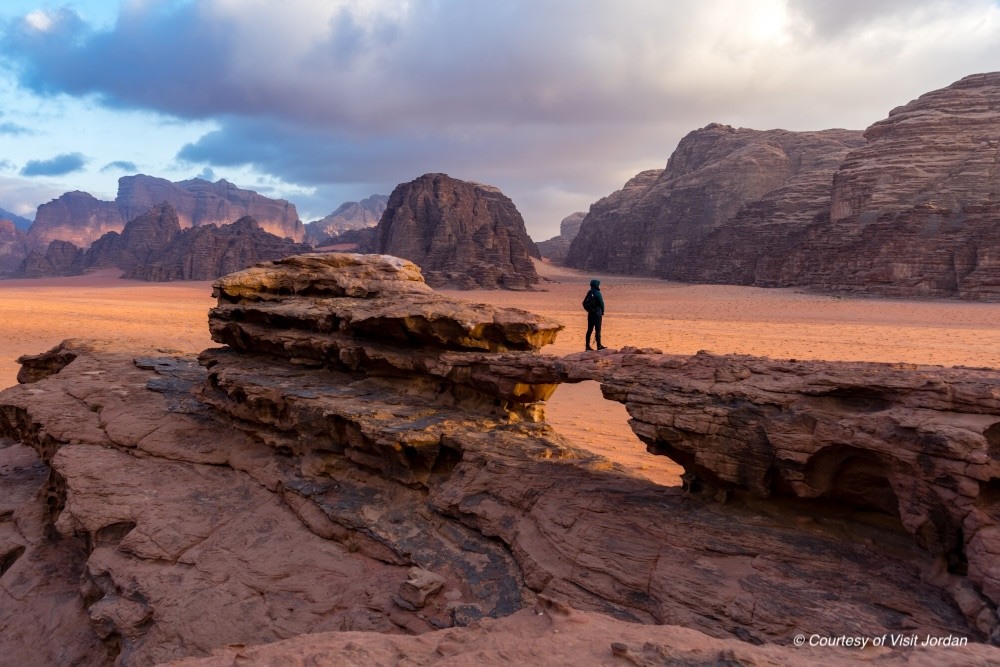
(643, 312)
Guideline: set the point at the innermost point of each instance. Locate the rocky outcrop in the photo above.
(365, 454)
(81, 219)
(649, 225)
(207, 252)
(154, 247)
(557, 247)
(913, 212)
(13, 245)
(908, 213)
(459, 233)
(76, 217)
(349, 216)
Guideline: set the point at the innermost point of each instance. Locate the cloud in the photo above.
(13, 129)
(207, 174)
(60, 165)
(554, 101)
(121, 165)
(21, 196)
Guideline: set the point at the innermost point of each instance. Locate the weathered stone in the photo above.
(349, 216)
(459, 233)
(317, 466)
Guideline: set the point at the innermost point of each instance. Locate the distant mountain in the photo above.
(80, 218)
(556, 248)
(19, 222)
(13, 246)
(154, 247)
(349, 215)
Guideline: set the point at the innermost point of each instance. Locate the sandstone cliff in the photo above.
(556, 248)
(81, 219)
(909, 213)
(365, 454)
(154, 247)
(18, 221)
(459, 233)
(648, 226)
(348, 216)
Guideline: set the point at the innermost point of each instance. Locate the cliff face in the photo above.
(81, 219)
(348, 216)
(207, 252)
(154, 247)
(77, 217)
(459, 233)
(914, 211)
(646, 227)
(911, 212)
(199, 202)
(556, 248)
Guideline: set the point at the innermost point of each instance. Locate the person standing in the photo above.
(593, 303)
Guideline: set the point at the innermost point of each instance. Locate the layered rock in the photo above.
(556, 248)
(459, 233)
(368, 455)
(349, 216)
(76, 217)
(82, 219)
(913, 212)
(154, 247)
(649, 225)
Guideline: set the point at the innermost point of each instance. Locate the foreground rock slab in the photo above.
(326, 473)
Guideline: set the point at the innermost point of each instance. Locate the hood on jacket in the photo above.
(595, 284)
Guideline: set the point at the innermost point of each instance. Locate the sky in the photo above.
(556, 102)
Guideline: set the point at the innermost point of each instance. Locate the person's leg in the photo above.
(592, 321)
(597, 331)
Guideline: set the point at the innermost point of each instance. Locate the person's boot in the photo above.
(601, 347)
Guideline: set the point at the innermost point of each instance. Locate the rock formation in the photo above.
(557, 247)
(13, 245)
(459, 233)
(648, 226)
(154, 247)
(81, 219)
(76, 217)
(909, 213)
(365, 454)
(348, 216)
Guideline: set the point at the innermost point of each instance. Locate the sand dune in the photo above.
(676, 318)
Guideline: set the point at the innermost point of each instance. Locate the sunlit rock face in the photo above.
(716, 172)
(459, 233)
(907, 209)
(365, 454)
(352, 215)
(81, 219)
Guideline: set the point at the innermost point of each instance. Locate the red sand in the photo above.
(676, 318)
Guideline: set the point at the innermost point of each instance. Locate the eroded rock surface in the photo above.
(459, 233)
(81, 219)
(368, 455)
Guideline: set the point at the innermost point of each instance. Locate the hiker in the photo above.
(593, 303)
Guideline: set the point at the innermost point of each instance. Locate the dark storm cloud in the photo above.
(121, 165)
(60, 165)
(536, 96)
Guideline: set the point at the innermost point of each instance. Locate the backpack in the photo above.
(589, 302)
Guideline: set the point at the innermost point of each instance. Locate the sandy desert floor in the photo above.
(675, 318)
